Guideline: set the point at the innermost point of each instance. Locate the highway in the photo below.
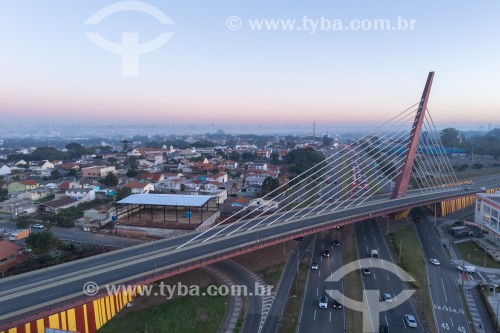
(40, 289)
(447, 305)
(369, 237)
(314, 319)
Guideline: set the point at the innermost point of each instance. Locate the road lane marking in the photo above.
(444, 291)
(404, 322)
(386, 321)
(433, 249)
(330, 319)
(317, 292)
(482, 278)
(452, 322)
(314, 318)
(388, 277)
(374, 277)
(364, 237)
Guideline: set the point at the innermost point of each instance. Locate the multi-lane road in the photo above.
(314, 319)
(63, 282)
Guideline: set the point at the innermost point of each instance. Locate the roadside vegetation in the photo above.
(293, 305)
(185, 314)
(352, 281)
(474, 254)
(406, 251)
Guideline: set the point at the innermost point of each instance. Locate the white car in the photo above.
(37, 226)
(314, 266)
(410, 320)
(387, 298)
(434, 262)
(323, 303)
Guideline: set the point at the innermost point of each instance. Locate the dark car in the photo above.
(384, 329)
(335, 243)
(336, 304)
(418, 219)
(326, 253)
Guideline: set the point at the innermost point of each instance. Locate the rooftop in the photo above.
(166, 200)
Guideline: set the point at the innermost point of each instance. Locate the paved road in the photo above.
(314, 319)
(273, 320)
(368, 237)
(59, 282)
(80, 236)
(447, 306)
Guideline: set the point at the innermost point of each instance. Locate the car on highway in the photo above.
(387, 297)
(326, 253)
(323, 303)
(482, 188)
(314, 266)
(37, 226)
(383, 329)
(336, 304)
(434, 262)
(467, 188)
(410, 320)
(335, 243)
(366, 271)
(418, 219)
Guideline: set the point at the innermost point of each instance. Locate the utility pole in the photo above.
(400, 244)
(435, 214)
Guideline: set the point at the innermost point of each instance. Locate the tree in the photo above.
(132, 173)
(42, 241)
(269, 185)
(123, 192)
(451, 137)
(55, 174)
(110, 179)
(76, 149)
(48, 153)
(301, 160)
(247, 156)
(235, 156)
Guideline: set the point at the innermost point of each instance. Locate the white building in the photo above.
(487, 212)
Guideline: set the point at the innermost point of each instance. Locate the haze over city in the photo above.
(214, 73)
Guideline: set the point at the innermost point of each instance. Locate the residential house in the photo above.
(140, 187)
(257, 166)
(210, 186)
(43, 168)
(263, 153)
(97, 172)
(16, 207)
(5, 170)
(8, 251)
(238, 202)
(228, 164)
(152, 177)
(260, 204)
(171, 165)
(35, 194)
(255, 180)
(56, 205)
(220, 177)
(22, 185)
(99, 215)
(81, 194)
(169, 184)
(67, 185)
(250, 191)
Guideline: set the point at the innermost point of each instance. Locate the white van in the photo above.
(467, 268)
(374, 254)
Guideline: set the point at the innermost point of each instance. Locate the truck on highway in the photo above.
(19, 234)
(374, 254)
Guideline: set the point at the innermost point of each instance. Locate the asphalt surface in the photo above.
(63, 282)
(314, 319)
(369, 237)
(447, 305)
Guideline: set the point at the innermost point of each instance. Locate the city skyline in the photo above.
(211, 71)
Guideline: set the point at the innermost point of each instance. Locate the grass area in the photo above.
(475, 254)
(184, 314)
(294, 302)
(241, 319)
(272, 275)
(352, 281)
(404, 243)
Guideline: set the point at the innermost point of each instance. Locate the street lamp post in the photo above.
(435, 214)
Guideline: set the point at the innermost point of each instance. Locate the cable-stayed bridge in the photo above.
(400, 165)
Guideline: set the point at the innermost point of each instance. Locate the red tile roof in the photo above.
(8, 249)
(29, 182)
(135, 185)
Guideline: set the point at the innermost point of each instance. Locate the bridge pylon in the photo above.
(403, 179)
